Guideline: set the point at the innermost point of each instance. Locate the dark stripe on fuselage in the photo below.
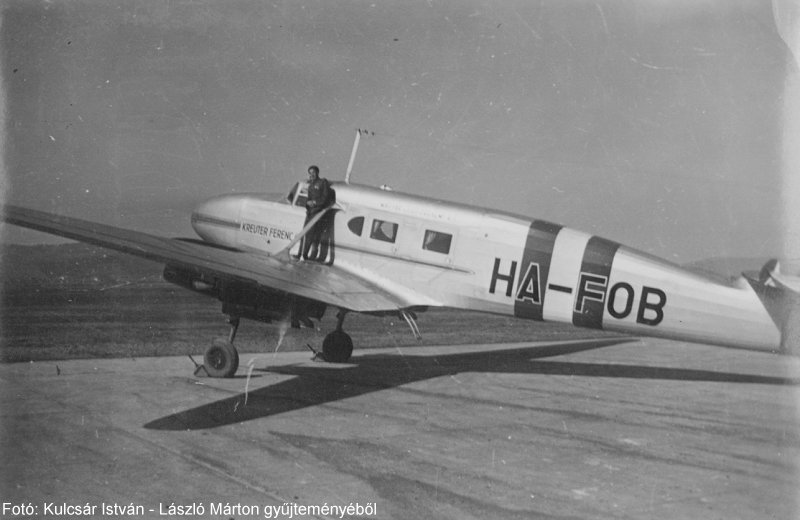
(593, 283)
(529, 300)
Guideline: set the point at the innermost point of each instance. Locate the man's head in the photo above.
(313, 173)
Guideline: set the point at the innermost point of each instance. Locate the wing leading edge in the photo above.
(322, 283)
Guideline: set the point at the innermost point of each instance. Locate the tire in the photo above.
(221, 359)
(337, 347)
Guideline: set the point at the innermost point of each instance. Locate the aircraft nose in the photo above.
(217, 219)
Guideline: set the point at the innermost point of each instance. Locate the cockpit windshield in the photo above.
(298, 194)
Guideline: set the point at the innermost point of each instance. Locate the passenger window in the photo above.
(384, 231)
(437, 241)
(356, 225)
(301, 200)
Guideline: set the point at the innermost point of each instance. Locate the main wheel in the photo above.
(221, 359)
(337, 347)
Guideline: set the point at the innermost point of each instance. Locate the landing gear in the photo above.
(337, 346)
(221, 359)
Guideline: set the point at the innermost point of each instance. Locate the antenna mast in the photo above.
(353, 155)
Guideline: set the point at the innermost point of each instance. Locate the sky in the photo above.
(654, 123)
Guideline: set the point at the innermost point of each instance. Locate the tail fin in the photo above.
(780, 294)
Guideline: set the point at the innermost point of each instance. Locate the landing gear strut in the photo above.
(221, 359)
(337, 347)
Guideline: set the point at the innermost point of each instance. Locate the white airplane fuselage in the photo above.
(453, 255)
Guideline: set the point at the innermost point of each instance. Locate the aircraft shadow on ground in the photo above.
(316, 385)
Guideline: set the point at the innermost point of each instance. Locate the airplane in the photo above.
(389, 253)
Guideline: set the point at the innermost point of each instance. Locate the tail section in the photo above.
(780, 294)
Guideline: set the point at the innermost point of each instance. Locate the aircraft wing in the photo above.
(323, 283)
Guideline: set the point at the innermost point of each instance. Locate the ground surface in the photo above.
(577, 429)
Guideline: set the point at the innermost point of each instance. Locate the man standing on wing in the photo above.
(319, 194)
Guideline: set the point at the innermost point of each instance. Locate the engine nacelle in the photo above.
(191, 280)
(246, 300)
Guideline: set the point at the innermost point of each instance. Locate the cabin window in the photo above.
(437, 241)
(301, 200)
(384, 231)
(356, 225)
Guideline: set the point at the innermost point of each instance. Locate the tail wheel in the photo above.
(337, 347)
(221, 359)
